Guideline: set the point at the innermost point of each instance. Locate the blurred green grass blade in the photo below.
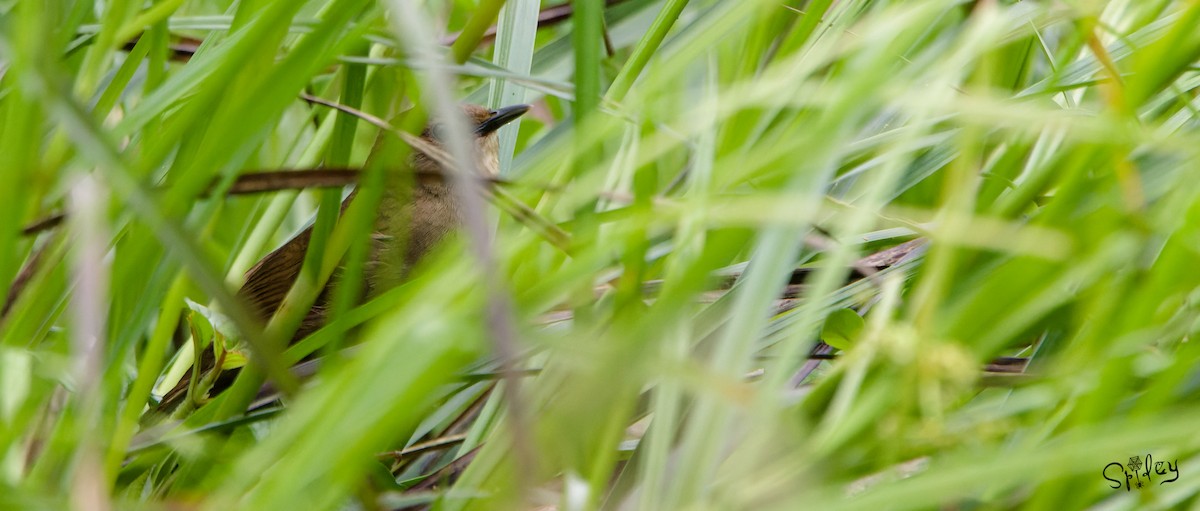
(148, 370)
(516, 34)
(688, 260)
(806, 26)
(1078, 73)
(120, 80)
(481, 18)
(645, 49)
(391, 383)
(1162, 62)
(24, 42)
(152, 16)
(345, 127)
(19, 152)
(95, 60)
(587, 41)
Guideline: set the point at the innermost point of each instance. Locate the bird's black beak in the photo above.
(500, 117)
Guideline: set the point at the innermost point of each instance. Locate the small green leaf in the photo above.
(217, 320)
(841, 328)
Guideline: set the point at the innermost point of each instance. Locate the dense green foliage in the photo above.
(1047, 149)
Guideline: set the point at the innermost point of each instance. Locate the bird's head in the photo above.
(483, 122)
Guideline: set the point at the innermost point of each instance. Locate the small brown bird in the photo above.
(409, 223)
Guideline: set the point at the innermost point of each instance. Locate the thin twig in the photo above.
(546, 17)
(24, 276)
(450, 470)
(44, 224)
(264, 181)
(423, 447)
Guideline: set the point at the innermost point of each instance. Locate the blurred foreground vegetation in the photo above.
(717, 170)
